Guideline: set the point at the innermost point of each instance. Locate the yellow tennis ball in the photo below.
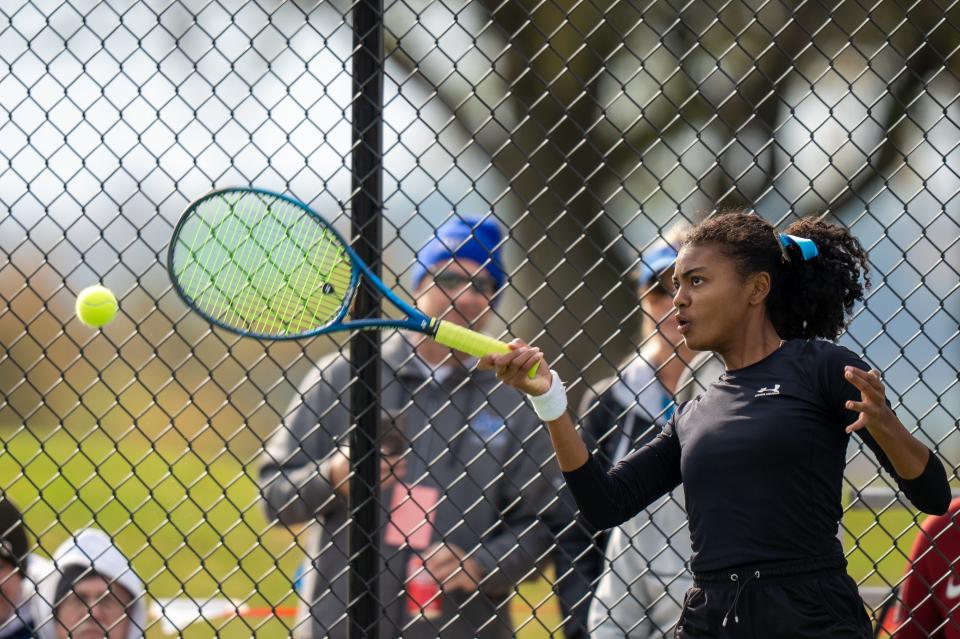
(96, 306)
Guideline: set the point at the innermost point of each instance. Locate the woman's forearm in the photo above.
(571, 451)
(922, 476)
(906, 453)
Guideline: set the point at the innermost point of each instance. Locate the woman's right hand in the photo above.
(512, 368)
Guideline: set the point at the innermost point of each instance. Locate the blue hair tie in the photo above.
(808, 248)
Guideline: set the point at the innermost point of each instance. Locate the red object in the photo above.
(929, 603)
(887, 616)
(266, 611)
(423, 591)
(413, 510)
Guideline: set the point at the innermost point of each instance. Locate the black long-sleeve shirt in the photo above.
(761, 456)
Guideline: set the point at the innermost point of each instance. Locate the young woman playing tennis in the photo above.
(761, 453)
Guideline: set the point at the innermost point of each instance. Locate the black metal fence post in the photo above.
(364, 536)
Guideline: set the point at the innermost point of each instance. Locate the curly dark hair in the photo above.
(808, 299)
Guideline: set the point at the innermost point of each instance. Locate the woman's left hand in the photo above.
(873, 409)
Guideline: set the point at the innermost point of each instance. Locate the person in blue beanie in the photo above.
(476, 240)
(466, 493)
(456, 277)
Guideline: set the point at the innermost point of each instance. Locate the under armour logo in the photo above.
(767, 392)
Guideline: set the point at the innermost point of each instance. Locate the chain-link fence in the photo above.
(584, 132)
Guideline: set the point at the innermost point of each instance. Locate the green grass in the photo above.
(188, 516)
(878, 546)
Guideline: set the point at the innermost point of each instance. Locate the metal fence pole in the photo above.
(364, 536)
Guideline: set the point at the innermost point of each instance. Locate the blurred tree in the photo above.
(612, 114)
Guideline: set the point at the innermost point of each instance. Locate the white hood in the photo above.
(89, 548)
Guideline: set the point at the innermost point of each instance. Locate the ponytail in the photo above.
(811, 296)
(815, 297)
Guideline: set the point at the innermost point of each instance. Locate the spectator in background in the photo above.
(626, 411)
(464, 525)
(90, 592)
(646, 572)
(929, 601)
(620, 413)
(16, 585)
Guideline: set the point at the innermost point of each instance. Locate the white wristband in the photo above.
(552, 404)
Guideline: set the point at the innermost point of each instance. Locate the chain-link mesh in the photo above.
(216, 466)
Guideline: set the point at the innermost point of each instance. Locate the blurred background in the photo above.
(588, 129)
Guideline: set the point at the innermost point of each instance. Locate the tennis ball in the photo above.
(96, 306)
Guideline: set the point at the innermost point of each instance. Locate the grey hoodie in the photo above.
(90, 548)
(470, 438)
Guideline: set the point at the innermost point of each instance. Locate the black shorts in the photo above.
(797, 600)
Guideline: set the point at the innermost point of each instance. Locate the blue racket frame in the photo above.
(416, 320)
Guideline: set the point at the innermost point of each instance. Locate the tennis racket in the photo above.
(264, 265)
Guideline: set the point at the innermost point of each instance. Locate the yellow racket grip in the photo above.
(472, 342)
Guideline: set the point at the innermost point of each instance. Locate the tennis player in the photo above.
(761, 453)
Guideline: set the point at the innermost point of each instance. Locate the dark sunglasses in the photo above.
(456, 281)
(662, 285)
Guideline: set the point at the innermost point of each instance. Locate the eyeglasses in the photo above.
(450, 281)
(663, 285)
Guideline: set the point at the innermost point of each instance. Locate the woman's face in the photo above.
(711, 299)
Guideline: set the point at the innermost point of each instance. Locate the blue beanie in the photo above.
(463, 238)
(654, 261)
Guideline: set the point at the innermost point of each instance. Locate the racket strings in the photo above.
(240, 284)
(290, 278)
(239, 297)
(321, 276)
(261, 264)
(327, 272)
(272, 238)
